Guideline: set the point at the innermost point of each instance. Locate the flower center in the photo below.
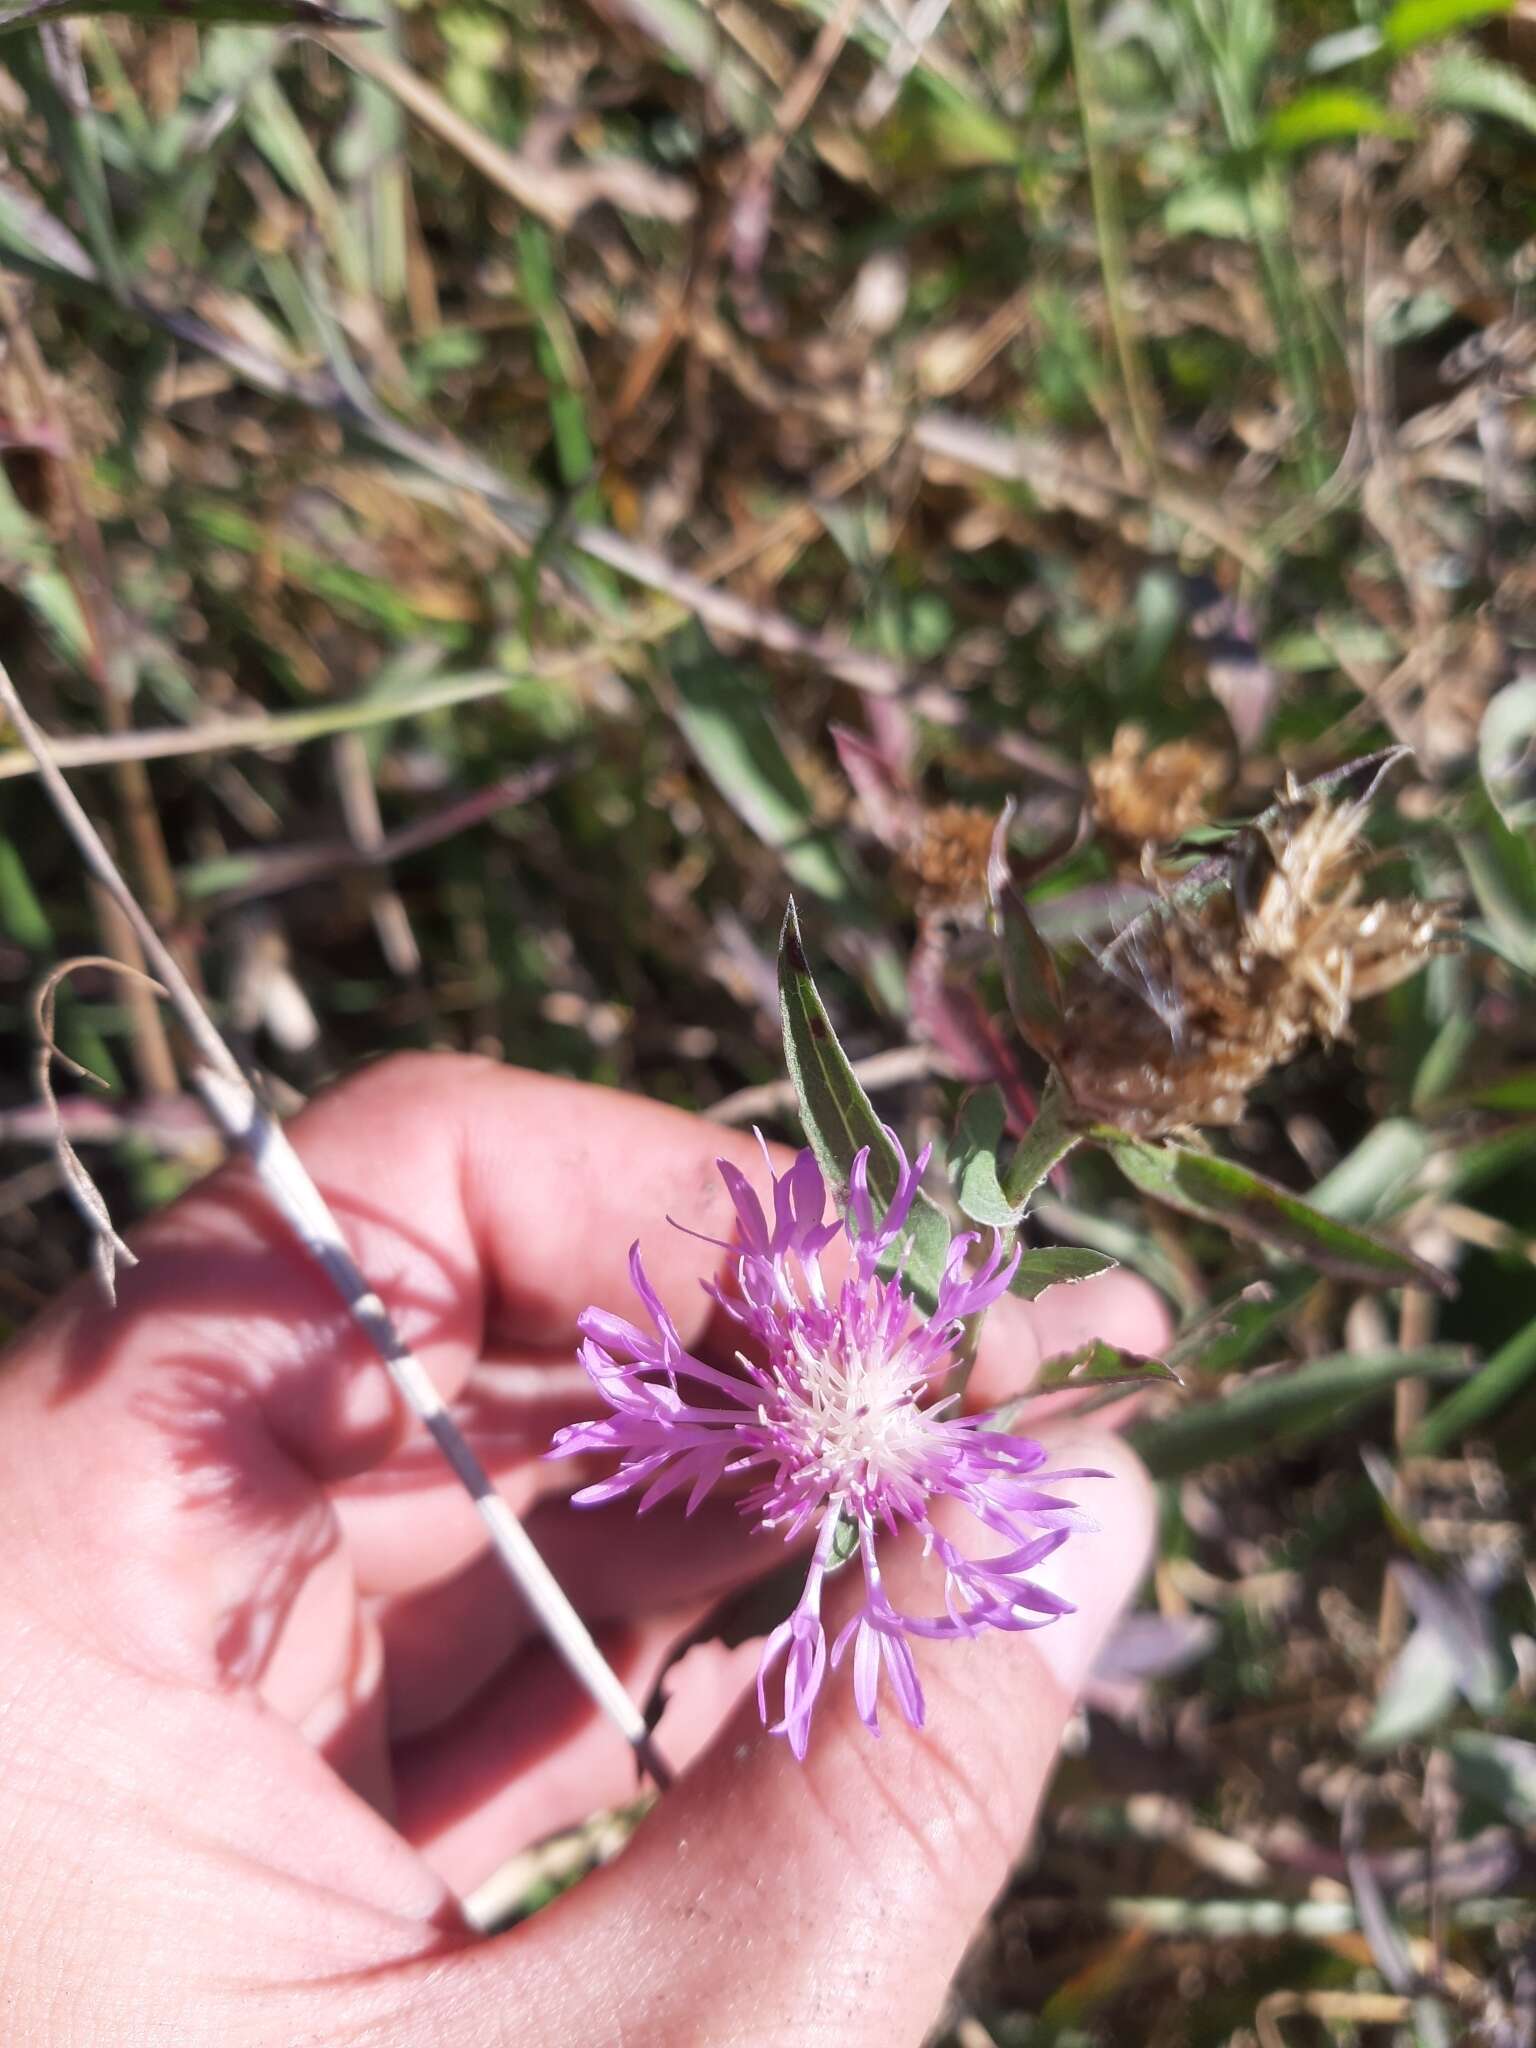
(846, 1418)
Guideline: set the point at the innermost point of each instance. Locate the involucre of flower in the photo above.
(1172, 1026)
(824, 1417)
(1153, 795)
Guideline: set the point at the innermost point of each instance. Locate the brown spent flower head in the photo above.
(948, 860)
(1175, 1022)
(1157, 795)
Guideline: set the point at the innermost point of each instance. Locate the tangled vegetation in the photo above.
(493, 502)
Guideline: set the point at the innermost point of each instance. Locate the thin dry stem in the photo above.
(233, 1105)
(1410, 1402)
(107, 1248)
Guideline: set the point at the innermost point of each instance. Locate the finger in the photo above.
(446, 1639)
(769, 1901)
(196, 1417)
(444, 1642)
(529, 1756)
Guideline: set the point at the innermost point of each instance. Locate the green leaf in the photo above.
(1443, 1059)
(1284, 1407)
(262, 13)
(1329, 113)
(1496, 1772)
(1418, 1691)
(1378, 1176)
(1097, 1364)
(721, 709)
(973, 1161)
(1219, 1191)
(1492, 1387)
(1047, 1141)
(1057, 1265)
(845, 1541)
(55, 84)
(22, 916)
(1469, 84)
(1516, 1092)
(1458, 1646)
(1506, 754)
(1501, 866)
(279, 728)
(1212, 205)
(985, 1194)
(839, 1118)
(1347, 46)
(1412, 22)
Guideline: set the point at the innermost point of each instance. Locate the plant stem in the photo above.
(1410, 1402)
(233, 1105)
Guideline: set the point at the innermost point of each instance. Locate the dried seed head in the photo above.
(1142, 796)
(1175, 1022)
(948, 860)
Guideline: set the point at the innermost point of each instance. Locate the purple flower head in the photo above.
(825, 1411)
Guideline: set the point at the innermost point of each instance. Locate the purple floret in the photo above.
(831, 1423)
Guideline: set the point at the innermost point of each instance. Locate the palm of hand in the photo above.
(265, 1710)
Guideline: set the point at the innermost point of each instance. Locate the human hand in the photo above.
(267, 1710)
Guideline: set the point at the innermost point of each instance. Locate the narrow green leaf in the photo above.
(839, 1118)
(722, 711)
(1347, 46)
(1219, 1191)
(1497, 1773)
(1516, 1092)
(1378, 1176)
(1412, 22)
(22, 916)
(1501, 866)
(1097, 1364)
(1492, 1387)
(1506, 753)
(1470, 84)
(1418, 1691)
(1458, 1644)
(1329, 113)
(1057, 1265)
(1443, 1059)
(278, 728)
(56, 87)
(263, 13)
(1284, 1407)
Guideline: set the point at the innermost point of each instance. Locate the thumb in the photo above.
(766, 1901)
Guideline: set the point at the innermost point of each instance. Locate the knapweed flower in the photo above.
(825, 1411)
(1187, 1011)
(1153, 795)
